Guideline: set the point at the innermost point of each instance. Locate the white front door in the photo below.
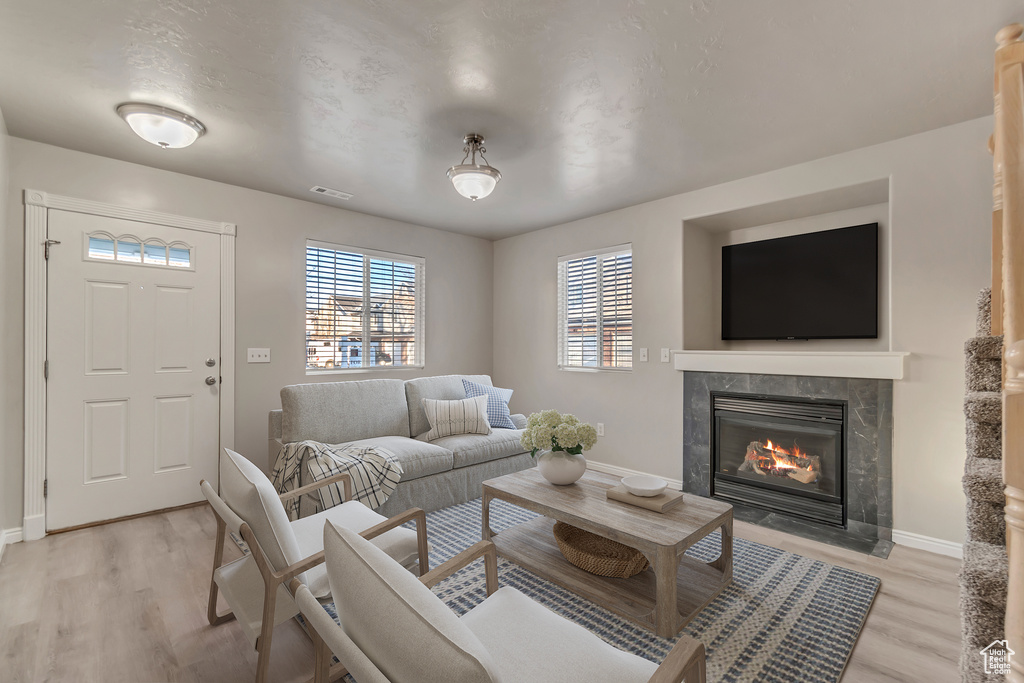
(133, 350)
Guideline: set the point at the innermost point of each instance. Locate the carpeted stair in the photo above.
(983, 576)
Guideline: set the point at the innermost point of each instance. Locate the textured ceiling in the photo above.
(586, 105)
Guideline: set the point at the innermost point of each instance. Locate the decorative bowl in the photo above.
(644, 485)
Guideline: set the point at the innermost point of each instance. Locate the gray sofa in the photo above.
(389, 413)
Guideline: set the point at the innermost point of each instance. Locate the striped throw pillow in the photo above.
(463, 416)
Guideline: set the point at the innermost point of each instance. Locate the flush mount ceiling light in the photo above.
(472, 180)
(161, 126)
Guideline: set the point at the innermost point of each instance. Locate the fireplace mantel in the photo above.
(861, 365)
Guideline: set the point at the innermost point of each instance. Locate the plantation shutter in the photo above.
(595, 309)
(363, 309)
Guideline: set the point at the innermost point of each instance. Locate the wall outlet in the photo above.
(259, 355)
(665, 356)
(600, 428)
(643, 355)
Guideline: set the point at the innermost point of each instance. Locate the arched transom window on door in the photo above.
(133, 250)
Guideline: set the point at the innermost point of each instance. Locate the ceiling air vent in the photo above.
(337, 194)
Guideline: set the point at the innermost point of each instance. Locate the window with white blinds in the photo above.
(364, 308)
(595, 309)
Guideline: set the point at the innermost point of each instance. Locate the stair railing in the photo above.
(1008, 279)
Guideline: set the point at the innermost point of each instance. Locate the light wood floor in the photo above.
(127, 602)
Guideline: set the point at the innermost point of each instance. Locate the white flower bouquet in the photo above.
(550, 430)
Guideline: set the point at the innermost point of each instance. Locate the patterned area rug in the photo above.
(785, 617)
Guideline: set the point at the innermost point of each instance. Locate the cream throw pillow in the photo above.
(465, 416)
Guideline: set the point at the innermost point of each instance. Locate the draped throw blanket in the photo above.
(375, 472)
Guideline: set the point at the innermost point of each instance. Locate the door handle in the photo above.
(211, 380)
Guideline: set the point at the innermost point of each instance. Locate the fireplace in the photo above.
(783, 454)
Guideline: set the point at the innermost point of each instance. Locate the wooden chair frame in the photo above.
(685, 662)
(273, 579)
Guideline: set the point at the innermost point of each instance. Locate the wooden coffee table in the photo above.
(663, 598)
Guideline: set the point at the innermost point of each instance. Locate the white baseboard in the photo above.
(8, 536)
(932, 545)
(676, 484)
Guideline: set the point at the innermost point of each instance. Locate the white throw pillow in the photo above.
(464, 416)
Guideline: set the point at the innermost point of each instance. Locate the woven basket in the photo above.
(598, 555)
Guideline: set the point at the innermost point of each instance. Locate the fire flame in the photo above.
(779, 450)
(767, 458)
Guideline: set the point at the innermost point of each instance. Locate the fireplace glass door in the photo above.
(781, 454)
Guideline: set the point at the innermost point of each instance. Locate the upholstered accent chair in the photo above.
(254, 586)
(394, 630)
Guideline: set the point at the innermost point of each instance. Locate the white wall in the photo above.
(940, 205)
(270, 282)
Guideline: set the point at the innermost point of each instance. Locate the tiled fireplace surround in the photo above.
(868, 451)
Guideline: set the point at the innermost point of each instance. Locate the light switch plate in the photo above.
(665, 356)
(259, 355)
(643, 355)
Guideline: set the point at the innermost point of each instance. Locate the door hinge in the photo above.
(46, 369)
(46, 248)
(46, 486)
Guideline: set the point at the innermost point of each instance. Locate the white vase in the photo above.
(561, 468)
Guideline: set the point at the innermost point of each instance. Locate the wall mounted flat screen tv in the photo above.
(819, 285)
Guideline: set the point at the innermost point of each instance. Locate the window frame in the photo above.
(368, 316)
(563, 305)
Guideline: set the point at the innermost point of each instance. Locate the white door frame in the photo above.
(36, 206)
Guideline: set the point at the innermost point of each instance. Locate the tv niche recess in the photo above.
(819, 285)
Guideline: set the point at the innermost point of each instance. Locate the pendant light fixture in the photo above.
(474, 181)
(161, 126)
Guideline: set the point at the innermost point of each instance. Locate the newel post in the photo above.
(1009, 159)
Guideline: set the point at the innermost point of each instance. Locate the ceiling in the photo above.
(586, 105)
